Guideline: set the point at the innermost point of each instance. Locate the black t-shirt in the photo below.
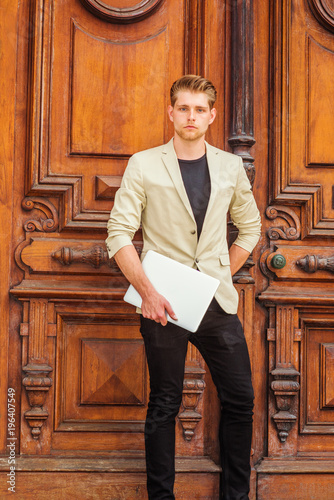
(196, 179)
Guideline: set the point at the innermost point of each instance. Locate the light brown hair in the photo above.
(193, 83)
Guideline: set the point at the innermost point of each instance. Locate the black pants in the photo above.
(220, 340)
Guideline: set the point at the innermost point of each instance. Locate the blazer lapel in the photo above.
(214, 166)
(171, 163)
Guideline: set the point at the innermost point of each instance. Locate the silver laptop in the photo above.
(189, 291)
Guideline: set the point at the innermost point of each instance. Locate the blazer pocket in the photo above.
(224, 259)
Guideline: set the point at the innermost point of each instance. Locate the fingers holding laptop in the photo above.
(155, 307)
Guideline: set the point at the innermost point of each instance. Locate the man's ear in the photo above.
(170, 110)
(213, 113)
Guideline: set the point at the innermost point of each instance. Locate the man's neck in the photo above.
(189, 150)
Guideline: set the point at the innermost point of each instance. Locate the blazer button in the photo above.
(193, 232)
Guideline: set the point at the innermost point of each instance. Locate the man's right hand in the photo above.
(155, 307)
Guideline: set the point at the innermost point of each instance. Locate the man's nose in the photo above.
(191, 115)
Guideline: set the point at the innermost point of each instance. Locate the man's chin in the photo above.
(191, 135)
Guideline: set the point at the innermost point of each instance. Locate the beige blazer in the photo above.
(152, 194)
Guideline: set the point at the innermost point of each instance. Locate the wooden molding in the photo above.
(195, 18)
(324, 12)
(110, 464)
(119, 15)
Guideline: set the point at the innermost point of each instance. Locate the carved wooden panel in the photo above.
(303, 125)
(317, 394)
(327, 376)
(103, 104)
(113, 363)
(93, 113)
(101, 374)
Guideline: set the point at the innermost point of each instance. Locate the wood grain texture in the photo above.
(8, 37)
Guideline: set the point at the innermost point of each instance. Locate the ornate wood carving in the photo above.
(113, 14)
(284, 385)
(313, 263)
(36, 379)
(242, 138)
(289, 262)
(37, 383)
(193, 388)
(324, 12)
(95, 256)
(243, 276)
(46, 224)
(292, 232)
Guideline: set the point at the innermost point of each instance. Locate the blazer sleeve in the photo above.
(125, 216)
(244, 212)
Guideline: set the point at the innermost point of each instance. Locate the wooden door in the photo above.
(86, 85)
(295, 312)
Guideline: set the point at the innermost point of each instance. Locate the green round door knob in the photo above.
(278, 261)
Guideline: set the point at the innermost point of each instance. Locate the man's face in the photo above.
(191, 115)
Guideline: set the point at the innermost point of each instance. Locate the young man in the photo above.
(181, 193)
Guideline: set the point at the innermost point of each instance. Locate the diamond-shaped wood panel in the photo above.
(107, 368)
(102, 378)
